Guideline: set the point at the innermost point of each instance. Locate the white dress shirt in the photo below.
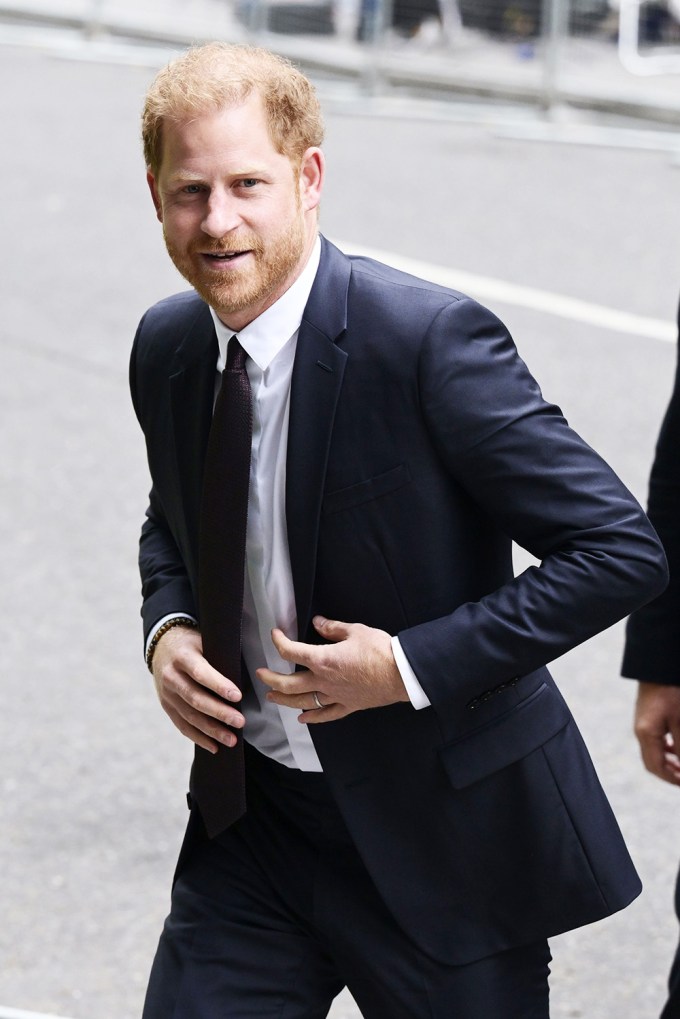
(269, 599)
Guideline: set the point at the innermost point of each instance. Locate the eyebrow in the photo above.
(183, 176)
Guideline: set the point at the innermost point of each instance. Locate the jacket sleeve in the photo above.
(166, 587)
(548, 491)
(652, 649)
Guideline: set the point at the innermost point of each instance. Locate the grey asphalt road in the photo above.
(92, 774)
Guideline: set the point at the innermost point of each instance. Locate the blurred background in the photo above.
(526, 153)
(589, 53)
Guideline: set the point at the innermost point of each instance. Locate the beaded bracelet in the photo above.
(167, 625)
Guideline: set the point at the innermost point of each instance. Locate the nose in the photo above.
(221, 215)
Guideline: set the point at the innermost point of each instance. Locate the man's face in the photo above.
(238, 218)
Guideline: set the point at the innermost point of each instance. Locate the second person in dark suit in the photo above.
(652, 652)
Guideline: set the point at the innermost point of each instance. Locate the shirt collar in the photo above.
(266, 335)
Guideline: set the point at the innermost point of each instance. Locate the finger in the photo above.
(193, 699)
(672, 761)
(287, 682)
(653, 751)
(293, 650)
(217, 728)
(189, 665)
(673, 738)
(329, 713)
(301, 702)
(199, 738)
(332, 629)
(200, 734)
(204, 673)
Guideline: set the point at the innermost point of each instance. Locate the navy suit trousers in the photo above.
(274, 917)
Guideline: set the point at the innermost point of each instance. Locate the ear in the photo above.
(312, 174)
(151, 181)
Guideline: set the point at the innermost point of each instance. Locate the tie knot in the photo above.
(236, 355)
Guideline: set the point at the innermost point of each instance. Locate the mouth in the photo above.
(217, 257)
(221, 263)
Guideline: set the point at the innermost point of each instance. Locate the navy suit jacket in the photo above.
(652, 651)
(419, 446)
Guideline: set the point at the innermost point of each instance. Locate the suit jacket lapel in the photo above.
(315, 389)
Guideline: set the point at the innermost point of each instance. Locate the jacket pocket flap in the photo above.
(505, 739)
(364, 491)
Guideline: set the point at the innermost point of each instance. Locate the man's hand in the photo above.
(657, 727)
(356, 672)
(194, 694)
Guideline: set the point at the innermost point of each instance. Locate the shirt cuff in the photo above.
(156, 627)
(417, 695)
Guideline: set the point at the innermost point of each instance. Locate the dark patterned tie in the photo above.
(218, 780)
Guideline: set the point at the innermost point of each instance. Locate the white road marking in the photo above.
(486, 288)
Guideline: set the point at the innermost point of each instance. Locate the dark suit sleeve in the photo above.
(545, 488)
(165, 585)
(652, 650)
